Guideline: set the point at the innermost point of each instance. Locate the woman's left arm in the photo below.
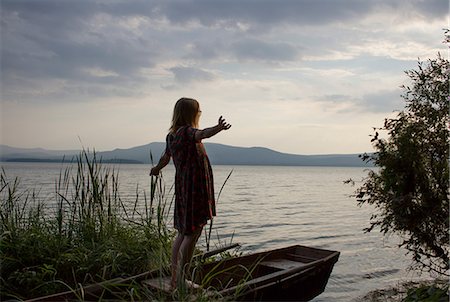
(208, 132)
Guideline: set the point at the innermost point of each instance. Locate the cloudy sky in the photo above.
(303, 76)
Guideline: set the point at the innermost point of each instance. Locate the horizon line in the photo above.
(206, 143)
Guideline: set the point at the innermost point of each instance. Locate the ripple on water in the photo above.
(380, 272)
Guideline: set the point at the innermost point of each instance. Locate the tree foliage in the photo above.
(410, 188)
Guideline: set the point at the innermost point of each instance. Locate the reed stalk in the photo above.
(211, 222)
(85, 235)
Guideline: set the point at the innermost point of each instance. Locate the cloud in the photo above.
(264, 13)
(185, 75)
(254, 49)
(430, 9)
(257, 12)
(206, 49)
(219, 12)
(70, 41)
(382, 101)
(102, 46)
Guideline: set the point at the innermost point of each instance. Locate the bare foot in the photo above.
(191, 284)
(173, 285)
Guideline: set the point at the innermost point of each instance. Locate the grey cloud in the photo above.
(332, 102)
(58, 47)
(335, 98)
(66, 59)
(253, 49)
(219, 12)
(262, 12)
(216, 12)
(206, 49)
(243, 49)
(58, 40)
(363, 64)
(267, 12)
(382, 101)
(428, 8)
(191, 74)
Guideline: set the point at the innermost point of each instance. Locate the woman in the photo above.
(194, 187)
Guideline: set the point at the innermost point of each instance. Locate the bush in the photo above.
(410, 189)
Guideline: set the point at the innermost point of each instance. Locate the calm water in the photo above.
(264, 207)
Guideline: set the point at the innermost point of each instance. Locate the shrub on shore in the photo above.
(410, 188)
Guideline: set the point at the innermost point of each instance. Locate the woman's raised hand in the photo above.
(208, 132)
(222, 124)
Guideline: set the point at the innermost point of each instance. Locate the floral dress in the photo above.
(194, 187)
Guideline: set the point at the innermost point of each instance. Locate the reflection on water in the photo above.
(268, 207)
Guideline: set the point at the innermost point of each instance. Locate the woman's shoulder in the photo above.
(182, 133)
(185, 130)
(177, 131)
(188, 133)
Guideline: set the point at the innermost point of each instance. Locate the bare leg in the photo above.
(185, 255)
(175, 252)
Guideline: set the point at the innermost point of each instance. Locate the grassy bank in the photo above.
(86, 234)
(424, 291)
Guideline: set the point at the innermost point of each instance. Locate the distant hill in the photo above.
(219, 155)
(36, 154)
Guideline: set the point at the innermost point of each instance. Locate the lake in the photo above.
(266, 207)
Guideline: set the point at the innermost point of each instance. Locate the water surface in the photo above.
(266, 207)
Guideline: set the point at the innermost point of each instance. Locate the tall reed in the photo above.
(88, 234)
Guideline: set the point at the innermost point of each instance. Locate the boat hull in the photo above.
(295, 273)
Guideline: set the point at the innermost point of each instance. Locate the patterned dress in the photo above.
(194, 186)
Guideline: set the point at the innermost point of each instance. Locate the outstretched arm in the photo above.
(163, 161)
(208, 132)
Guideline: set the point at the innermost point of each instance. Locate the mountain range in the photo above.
(218, 154)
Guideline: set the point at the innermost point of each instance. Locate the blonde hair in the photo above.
(185, 113)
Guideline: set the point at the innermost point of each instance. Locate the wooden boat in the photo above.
(295, 273)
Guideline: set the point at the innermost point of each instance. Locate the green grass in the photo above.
(413, 291)
(89, 235)
(436, 292)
